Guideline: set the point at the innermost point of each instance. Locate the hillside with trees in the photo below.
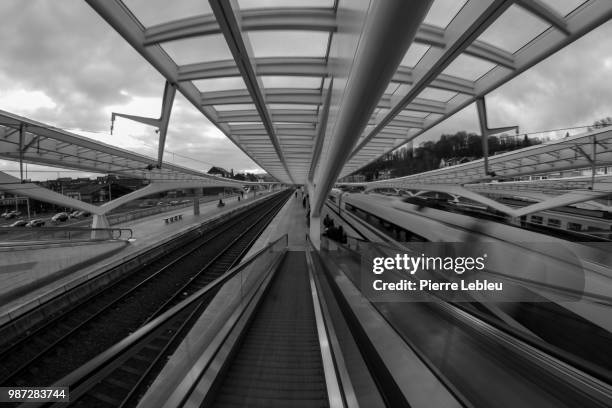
(449, 149)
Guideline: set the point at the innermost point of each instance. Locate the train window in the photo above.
(573, 226)
(554, 222)
(536, 219)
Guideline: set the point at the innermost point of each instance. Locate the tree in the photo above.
(526, 142)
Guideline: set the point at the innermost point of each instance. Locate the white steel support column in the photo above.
(22, 135)
(315, 231)
(389, 30)
(485, 132)
(100, 221)
(196, 201)
(161, 123)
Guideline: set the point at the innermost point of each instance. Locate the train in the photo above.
(439, 217)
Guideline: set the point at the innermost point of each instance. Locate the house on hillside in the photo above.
(220, 172)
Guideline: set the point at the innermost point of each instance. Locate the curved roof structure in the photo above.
(29, 141)
(305, 88)
(573, 152)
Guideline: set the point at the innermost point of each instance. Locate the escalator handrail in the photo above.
(81, 374)
(337, 385)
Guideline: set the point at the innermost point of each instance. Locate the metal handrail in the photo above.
(82, 374)
(333, 366)
(64, 233)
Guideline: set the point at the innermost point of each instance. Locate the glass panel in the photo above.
(442, 12)
(433, 117)
(505, 34)
(391, 88)
(402, 90)
(219, 84)
(238, 106)
(250, 4)
(414, 54)
(415, 114)
(468, 67)
(435, 94)
(288, 43)
(270, 81)
(198, 49)
(152, 12)
(291, 106)
(563, 7)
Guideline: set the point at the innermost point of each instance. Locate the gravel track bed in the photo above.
(120, 319)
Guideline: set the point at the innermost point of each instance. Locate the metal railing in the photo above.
(46, 234)
(246, 275)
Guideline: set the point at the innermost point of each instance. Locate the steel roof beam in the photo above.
(468, 24)
(119, 16)
(418, 104)
(405, 75)
(294, 66)
(275, 95)
(390, 22)
(277, 115)
(230, 27)
(588, 16)
(320, 136)
(546, 13)
(436, 37)
(307, 19)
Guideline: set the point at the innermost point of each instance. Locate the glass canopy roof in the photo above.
(261, 70)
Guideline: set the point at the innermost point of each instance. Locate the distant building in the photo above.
(452, 161)
(354, 178)
(97, 193)
(219, 171)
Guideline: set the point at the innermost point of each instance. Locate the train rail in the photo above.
(102, 320)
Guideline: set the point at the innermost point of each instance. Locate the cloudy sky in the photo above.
(63, 65)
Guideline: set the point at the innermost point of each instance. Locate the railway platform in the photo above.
(21, 293)
(290, 220)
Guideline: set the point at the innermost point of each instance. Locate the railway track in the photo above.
(73, 337)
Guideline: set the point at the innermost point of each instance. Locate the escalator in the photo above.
(278, 361)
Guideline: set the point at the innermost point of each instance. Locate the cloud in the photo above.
(62, 64)
(571, 88)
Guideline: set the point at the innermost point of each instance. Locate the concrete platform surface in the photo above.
(291, 220)
(147, 232)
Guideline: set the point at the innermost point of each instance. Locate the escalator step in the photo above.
(279, 362)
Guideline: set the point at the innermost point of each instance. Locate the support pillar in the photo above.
(315, 231)
(100, 221)
(196, 202)
(22, 134)
(486, 132)
(387, 22)
(161, 123)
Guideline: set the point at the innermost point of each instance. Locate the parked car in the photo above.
(11, 214)
(159, 204)
(75, 214)
(62, 216)
(35, 223)
(19, 223)
(185, 201)
(174, 202)
(146, 204)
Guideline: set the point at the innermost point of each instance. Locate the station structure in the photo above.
(313, 91)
